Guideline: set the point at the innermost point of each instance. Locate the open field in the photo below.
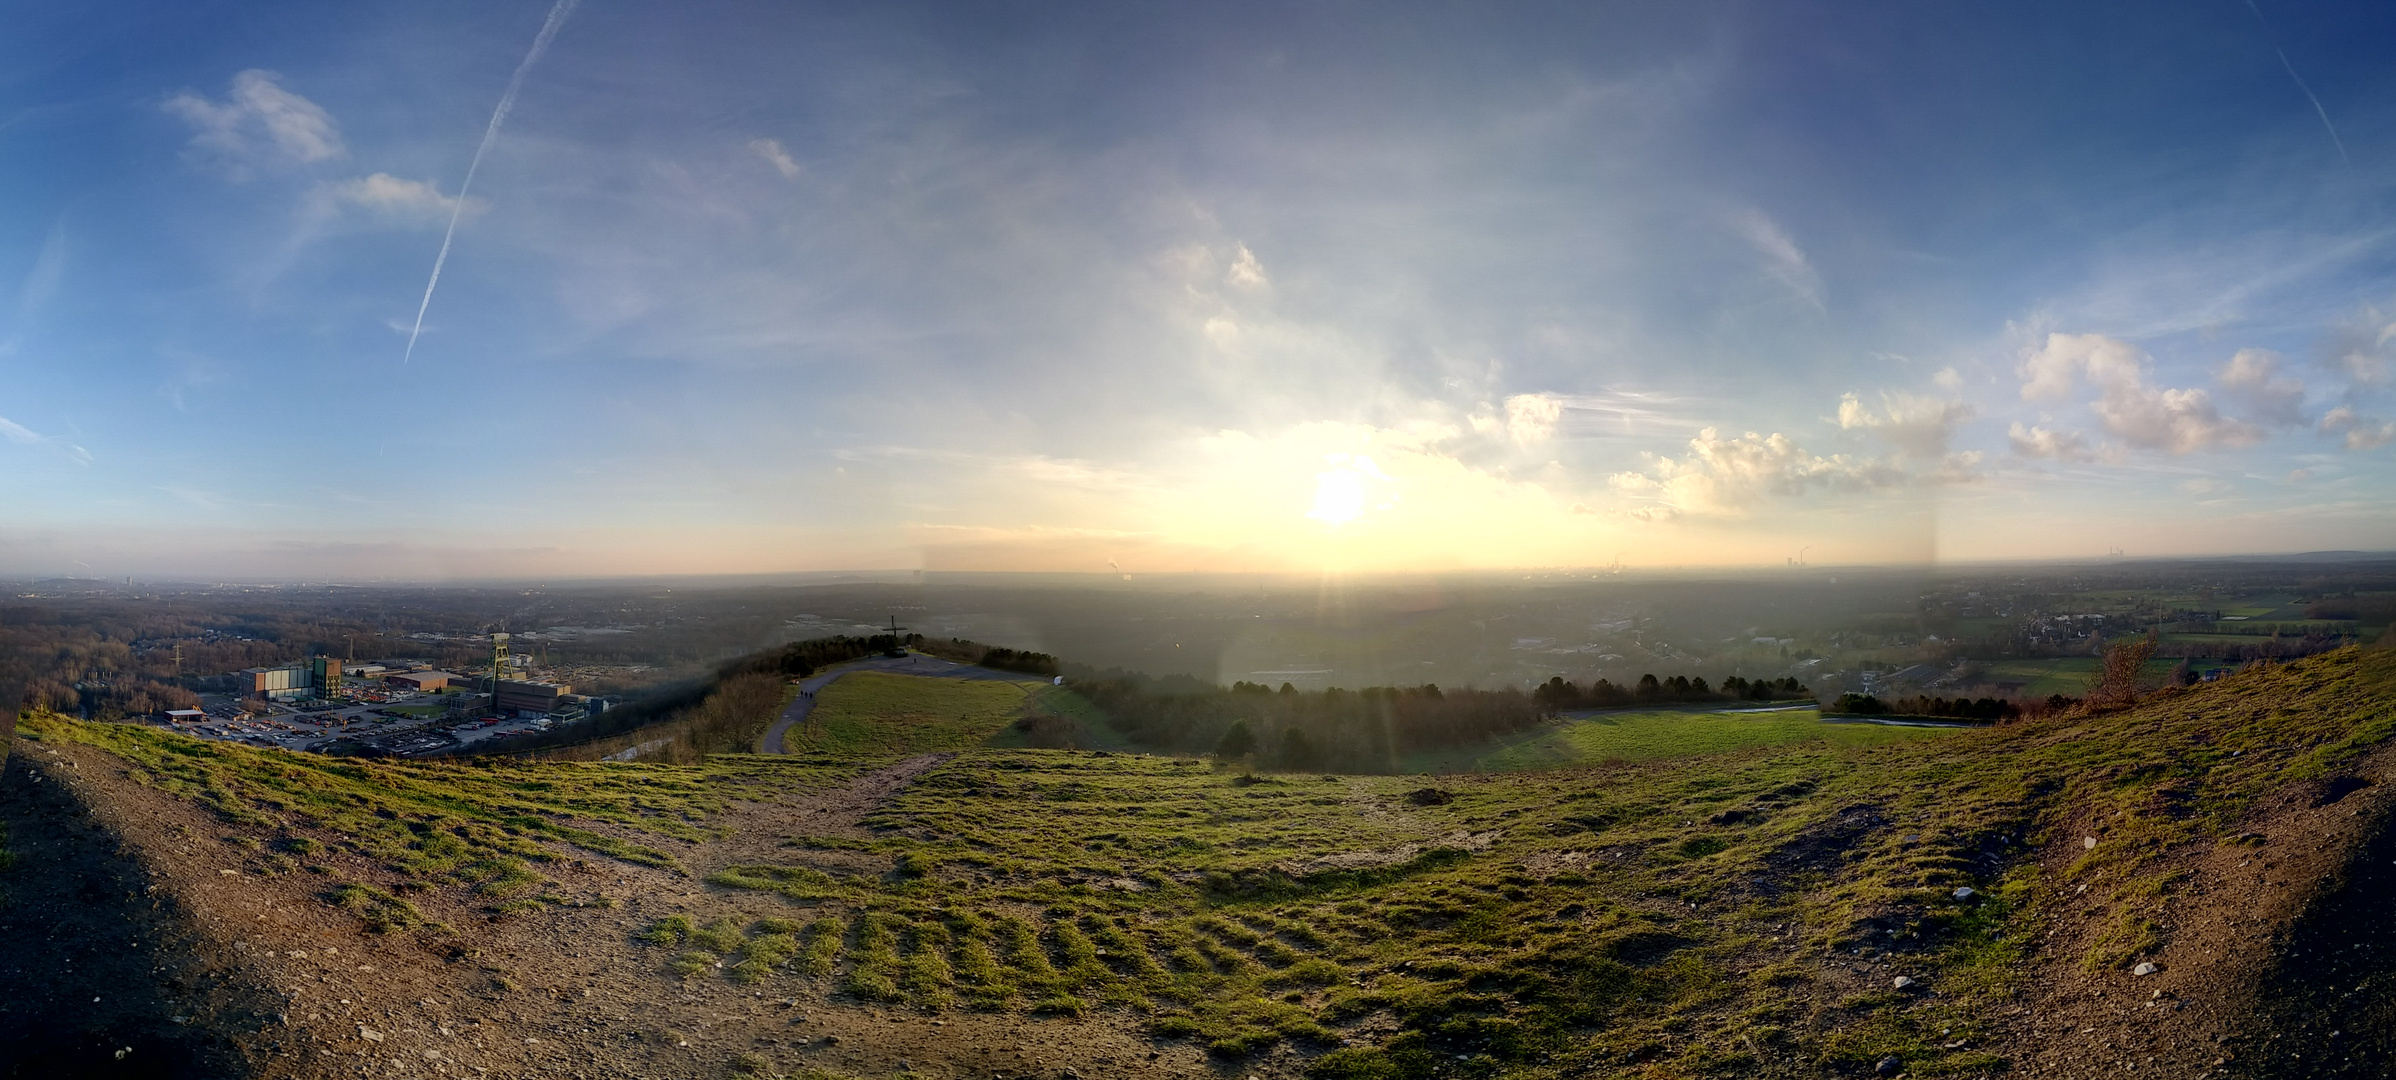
(1714, 910)
(2066, 675)
(1064, 719)
(872, 713)
(1652, 735)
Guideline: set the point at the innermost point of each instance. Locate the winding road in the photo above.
(913, 663)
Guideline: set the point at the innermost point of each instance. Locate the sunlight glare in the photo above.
(1339, 493)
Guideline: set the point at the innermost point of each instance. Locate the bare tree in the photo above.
(2120, 667)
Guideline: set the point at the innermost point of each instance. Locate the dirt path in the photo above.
(912, 664)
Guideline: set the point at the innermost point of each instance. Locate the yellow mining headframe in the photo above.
(498, 668)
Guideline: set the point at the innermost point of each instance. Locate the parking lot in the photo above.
(312, 725)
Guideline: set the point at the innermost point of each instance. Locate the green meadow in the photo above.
(873, 713)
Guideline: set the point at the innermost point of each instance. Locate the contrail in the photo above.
(540, 44)
(2334, 140)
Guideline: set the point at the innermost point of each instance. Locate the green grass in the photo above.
(482, 831)
(2066, 675)
(876, 714)
(1651, 736)
(1085, 725)
(1559, 921)
(1694, 909)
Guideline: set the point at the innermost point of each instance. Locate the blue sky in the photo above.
(1171, 287)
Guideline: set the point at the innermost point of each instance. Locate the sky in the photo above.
(1141, 288)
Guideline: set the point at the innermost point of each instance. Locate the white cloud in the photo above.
(2038, 442)
(1783, 259)
(388, 196)
(1728, 476)
(1531, 418)
(2050, 371)
(2179, 421)
(771, 150)
(2253, 376)
(258, 119)
(2366, 349)
(2362, 432)
(1918, 427)
(1246, 272)
(2149, 417)
(21, 435)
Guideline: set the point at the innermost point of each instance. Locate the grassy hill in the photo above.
(872, 713)
(1733, 896)
(1650, 735)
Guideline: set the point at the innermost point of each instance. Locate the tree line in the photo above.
(1368, 730)
(990, 656)
(1560, 695)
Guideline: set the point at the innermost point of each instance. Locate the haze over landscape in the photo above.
(754, 288)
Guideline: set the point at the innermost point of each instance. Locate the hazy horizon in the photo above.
(752, 289)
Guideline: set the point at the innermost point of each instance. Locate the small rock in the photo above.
(831, 1040)
(1069, 1074)
(369, 1034)
(2089, 843)
(1967, 894)
(1902, 983)
(2146, 969)
(1889, 1065)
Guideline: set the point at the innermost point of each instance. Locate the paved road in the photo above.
(911, 664)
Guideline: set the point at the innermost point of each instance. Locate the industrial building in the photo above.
(538, 698)
(420, 681)
(324, 673)
(278, 683)
(317, 676)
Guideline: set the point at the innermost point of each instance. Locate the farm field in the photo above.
(1721, 908)
(1651, 735)
(2067, 675)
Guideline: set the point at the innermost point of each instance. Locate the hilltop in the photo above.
(1963, 904)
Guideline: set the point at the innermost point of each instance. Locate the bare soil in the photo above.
(2275, 944)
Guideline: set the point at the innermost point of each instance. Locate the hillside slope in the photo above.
(1019, 912)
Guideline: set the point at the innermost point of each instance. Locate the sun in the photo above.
(1340, 493)
(1338, 497)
